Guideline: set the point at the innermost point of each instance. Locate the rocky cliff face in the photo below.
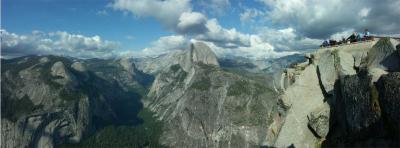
(49, 100)
(340, 97)
(204, 106)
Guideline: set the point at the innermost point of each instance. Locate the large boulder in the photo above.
(383, 56)
(360, 103)
(389, 92)
(345, 63)
(303, 97)
(327, 71)
(394, 42)
(318, 120)
(332, 64)
(341, 60)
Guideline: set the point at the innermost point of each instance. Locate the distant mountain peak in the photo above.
(197, 52)
(200, 52)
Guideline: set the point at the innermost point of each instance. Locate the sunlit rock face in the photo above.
(355, 84)
(204, 106)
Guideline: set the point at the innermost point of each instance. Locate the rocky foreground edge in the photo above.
(342, 96)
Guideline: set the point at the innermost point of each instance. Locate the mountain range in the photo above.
(339, 96)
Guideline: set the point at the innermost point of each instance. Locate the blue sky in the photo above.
(95, 17)
(80, 17)
(251, 28)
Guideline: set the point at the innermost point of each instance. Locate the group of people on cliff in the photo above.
(353, 38)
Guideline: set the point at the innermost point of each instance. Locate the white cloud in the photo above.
(257, 49)
(163, 45)
(167, 12)
(249, 15)
(196, 26)
(287, 39)
(344, 34)
(175, 15)
(192, 23)
(223, 37)
(215, 7)
(57, 43)
(320, 19)
(364, 12)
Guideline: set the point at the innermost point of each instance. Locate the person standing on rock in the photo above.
(325, 43)
(343, 40)
(367, 35)
(359, 39)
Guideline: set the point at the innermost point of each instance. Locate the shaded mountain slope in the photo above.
(49, 100)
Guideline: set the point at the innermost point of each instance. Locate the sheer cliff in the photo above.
(340, 97)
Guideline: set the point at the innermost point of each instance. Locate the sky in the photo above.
(141, 28)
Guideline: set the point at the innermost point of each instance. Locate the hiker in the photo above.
(332, 42)
(325, 43)
(359, 39)
(367, 35)
(344, 40)
(353, 37)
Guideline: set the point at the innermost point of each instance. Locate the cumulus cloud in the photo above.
(192, 23)
(321, 19)
(195, 25)
(223, 37)
(164, 45)
(287, 39)
(56, 43)
(167, 12)
(257, 49)
(186, 22)
(340, 35)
